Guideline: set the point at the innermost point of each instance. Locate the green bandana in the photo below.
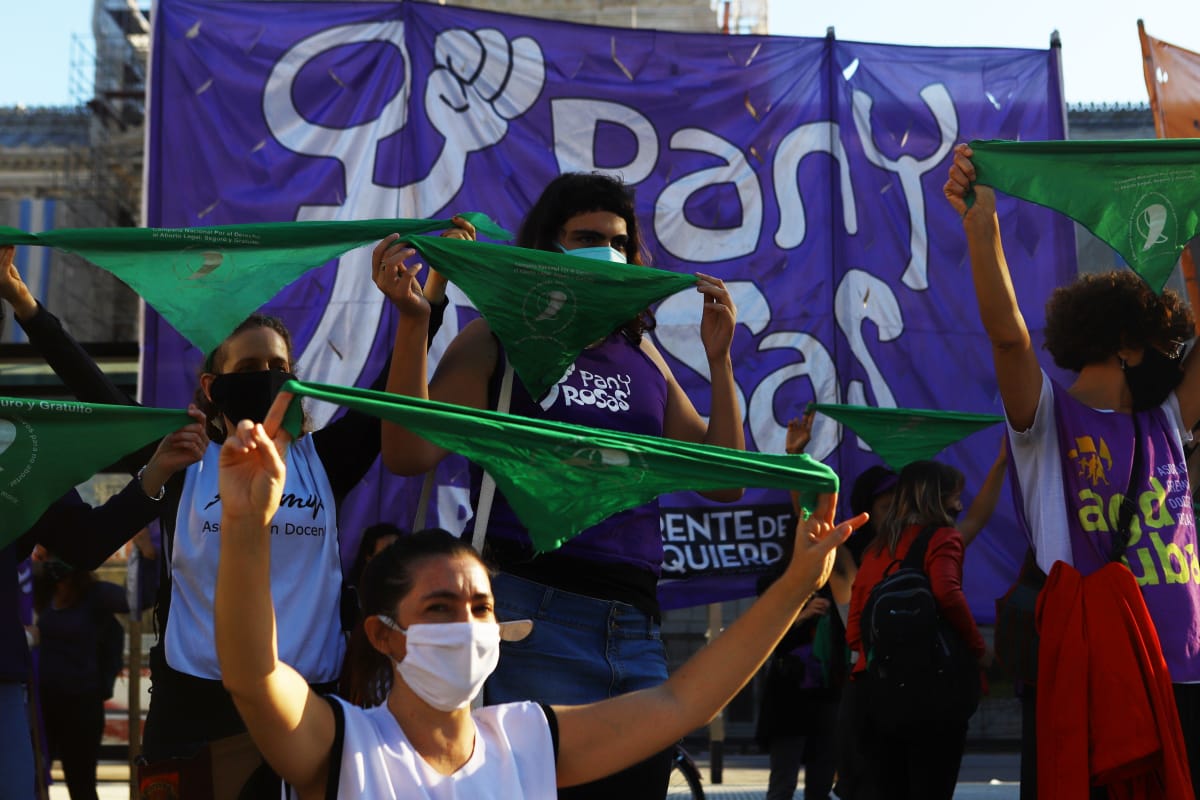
(545, 308)
(901, 436)
(206, 281)
(49, 446)
(1142, 196)
(561, 479)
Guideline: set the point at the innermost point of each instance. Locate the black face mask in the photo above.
(1153, 379)
(247, 395)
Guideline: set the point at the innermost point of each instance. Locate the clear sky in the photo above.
(1101, 57)
(37, 49)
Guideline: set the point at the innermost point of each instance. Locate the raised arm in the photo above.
(349, 445)
(463, 373)
(601, 738)
(85, 536)
(292, 726)
(683, 422)
(65, 356)
(799, 434)
(13, 289)
(986, 498)
(1017, 370)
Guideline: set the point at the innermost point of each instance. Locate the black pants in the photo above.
(1028, 742)
(852, 766)
(815, 752)
(1187, 701)
(920, 766)
(74, 726)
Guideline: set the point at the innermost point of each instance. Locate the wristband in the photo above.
(162, 490)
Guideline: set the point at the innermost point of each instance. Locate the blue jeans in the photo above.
(581, 649)
(16, 755)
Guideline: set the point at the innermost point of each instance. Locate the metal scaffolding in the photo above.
(104, 177)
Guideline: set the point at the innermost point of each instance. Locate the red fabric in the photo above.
(943, 565)
(1106, 711)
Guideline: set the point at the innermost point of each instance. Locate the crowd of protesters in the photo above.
(512, 673)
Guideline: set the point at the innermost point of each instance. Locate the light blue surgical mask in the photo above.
(600, 253)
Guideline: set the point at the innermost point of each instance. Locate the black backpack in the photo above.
(919, 669)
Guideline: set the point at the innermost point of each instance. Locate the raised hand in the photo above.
(481, 81)
(176, 451)
(252, 473)
(396, 279)
(961, 182)
(719, 317)
(435, 282)
(799, 433)
(12, 288)
(817, 540)
(816, 607)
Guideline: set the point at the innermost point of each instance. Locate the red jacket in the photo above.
(943, 565)
(1106, 711)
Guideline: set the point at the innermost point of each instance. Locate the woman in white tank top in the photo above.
(430, 618)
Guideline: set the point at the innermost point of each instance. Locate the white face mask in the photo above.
(600, 253)
(446, 663)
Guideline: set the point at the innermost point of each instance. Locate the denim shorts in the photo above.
(581, 649)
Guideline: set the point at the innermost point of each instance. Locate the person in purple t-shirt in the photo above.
(1134, 400)
(594, 601)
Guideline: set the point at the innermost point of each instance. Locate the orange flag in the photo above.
(1173, 83)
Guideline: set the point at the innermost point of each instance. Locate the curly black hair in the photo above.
(575, 193)
(1088, 321)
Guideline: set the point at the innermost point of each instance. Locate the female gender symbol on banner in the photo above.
(479, 83)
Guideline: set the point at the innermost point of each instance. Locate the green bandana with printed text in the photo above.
(545, 308)
(206, 281)
(49, 446)
(561, 479)
(1141, 196)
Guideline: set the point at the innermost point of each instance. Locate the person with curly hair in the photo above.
(1116, 432)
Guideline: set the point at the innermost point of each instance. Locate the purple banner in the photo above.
(806, 173)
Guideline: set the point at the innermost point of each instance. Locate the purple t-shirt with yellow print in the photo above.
(1095, 459)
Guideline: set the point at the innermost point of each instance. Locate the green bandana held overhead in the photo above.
(547, 307)
(561, 479)
(1140, 196)
(48, 446)
(205, 281)
(901, 436)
